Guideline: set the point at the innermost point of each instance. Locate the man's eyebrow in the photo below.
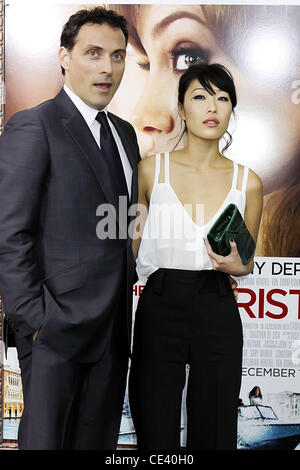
(93, 46)
(99, 48)
(163, 24)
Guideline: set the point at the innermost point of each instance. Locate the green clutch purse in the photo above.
(231, 226)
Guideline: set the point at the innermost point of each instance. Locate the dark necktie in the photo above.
(112, 156)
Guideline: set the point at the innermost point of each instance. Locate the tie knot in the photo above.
(102, 118)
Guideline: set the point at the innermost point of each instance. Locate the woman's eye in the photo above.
(223, 98)
(184, 58)
(199, 97)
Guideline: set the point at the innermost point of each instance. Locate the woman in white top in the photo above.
(187, 313)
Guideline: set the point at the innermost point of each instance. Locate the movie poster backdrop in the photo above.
(260, 46)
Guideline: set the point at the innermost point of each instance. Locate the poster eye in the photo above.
(184, 57)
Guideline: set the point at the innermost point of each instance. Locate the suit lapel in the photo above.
(82, 136)
(75, 124)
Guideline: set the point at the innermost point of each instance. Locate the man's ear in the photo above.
(64, 57)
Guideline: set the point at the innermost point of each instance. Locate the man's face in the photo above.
(95, 66)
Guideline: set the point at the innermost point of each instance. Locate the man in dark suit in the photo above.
(66, 285)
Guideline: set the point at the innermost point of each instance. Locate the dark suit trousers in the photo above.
(186, 317)
(72, 405)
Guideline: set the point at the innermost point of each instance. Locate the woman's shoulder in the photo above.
(254, 182)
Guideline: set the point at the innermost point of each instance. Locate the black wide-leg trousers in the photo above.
(186, 317)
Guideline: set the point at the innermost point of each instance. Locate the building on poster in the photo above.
(13, 403)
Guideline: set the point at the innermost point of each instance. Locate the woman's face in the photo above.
(206, 114)
(173, 37)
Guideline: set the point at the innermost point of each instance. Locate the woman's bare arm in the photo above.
(145, 184)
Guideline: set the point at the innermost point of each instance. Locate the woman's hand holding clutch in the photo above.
(230, 264)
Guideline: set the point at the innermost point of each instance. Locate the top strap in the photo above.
(245, 179)
(157, 168)
(235, 175)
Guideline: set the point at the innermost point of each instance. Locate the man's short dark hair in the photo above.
(97, 15)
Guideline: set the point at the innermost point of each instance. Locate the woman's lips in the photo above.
(103, 86)
(211, 122)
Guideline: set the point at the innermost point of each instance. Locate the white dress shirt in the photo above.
(89, 114)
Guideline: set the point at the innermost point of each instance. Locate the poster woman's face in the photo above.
(172, 38)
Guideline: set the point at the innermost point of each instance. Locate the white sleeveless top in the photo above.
(171, 239)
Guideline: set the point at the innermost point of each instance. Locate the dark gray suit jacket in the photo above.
(56, 275)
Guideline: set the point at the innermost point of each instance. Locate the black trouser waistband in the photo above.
(204, 280)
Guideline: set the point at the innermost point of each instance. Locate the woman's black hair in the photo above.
(208, 74)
